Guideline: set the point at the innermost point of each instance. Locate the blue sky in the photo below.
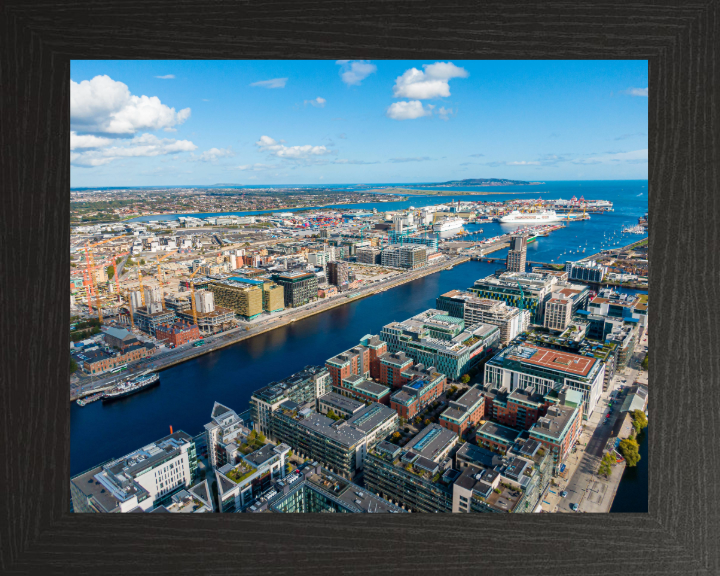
(331, 122)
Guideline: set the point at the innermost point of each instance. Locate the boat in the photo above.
(517, 217)
(89, 399)
(448, 225)
(132, 386)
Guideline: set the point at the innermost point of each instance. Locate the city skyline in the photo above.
(335, 122)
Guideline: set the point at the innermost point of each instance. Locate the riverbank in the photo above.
(239, 334)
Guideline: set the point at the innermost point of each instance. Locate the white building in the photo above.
(225, 427)
(204, 301)
(142, 479)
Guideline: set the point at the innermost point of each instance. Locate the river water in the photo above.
(187, 392)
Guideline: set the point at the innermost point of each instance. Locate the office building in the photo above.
(586, 270)
(300, 288)
(242, 295)
(302, 387)
(528, 291)
(204, 301)
(517, 409)
(475, 310)
(405, 256)
(542, 370)
(392, 366)
(435, 339)
(517, 254)
(339, 445)
(418, 476)
(313, 488)
(273, 297)
(369, 255)
(338, 273)
(143, 479)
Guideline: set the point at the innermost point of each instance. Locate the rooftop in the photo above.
(499, 432)
(431, 441)
(574, 364)
(343, 402)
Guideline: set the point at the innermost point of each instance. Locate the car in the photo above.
(563, 494)
(607, 415)
(574, 507)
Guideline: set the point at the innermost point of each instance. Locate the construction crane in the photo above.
(128, 296)
(162, 281)
(90, 265)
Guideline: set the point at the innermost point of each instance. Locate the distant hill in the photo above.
(488, 182)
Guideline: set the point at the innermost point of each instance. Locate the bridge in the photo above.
(503, 260)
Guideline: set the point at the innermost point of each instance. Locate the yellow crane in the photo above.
(128, 296)
(162, 280)
(90, 265)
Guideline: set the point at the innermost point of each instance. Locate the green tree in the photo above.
(142, 262)
(427, 421)
(644, 364)
(73, 366)
(608, 461)
(640, 421)
(465, 378)
(252, 435)
(260, 438)
(630, 451)
(111, 272)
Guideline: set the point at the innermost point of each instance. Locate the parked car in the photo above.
(563, 494)
(574, 507)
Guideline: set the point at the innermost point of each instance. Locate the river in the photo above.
(187, 392)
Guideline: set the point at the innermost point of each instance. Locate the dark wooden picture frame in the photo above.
(681, 532)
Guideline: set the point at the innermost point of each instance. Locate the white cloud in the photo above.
(408, 110)
(522, 163)
(267, 144)
(433, 82)
(317, 102)
(87, 141)
(213, 154)
(166, 77)
(353, 72)
(255, 167)
(637, 92)
(102, 105)
(146, 145)
(346, 161)
(415, 159)
(445, 113)
(274, 83)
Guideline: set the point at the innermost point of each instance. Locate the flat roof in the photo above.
(549, 358)
(342, 402)
(371, 416)
(431, 441)
(499, 431)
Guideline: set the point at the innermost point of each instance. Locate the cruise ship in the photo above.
(132, 386)
(516, 217)
(449, 225)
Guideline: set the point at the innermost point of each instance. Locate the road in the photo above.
(165, 358)
(584, 487)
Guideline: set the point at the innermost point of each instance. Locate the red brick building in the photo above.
(392, 367)
(519, 409)
(177, 334)
(464, 413)
(377, 349)
(355, 361)
(415, 395)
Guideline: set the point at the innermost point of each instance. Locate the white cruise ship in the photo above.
(449, 225)
(516, 217)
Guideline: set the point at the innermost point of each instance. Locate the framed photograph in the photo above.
(395, 277)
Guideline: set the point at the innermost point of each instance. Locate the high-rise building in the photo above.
(475, 310)
(337, 273)
(369, 255)
(558, 311)
(225, 426)
(517, 253)
(587, 270)
(204, 301)
(524, 290)
(299, 288)
(404, 256)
